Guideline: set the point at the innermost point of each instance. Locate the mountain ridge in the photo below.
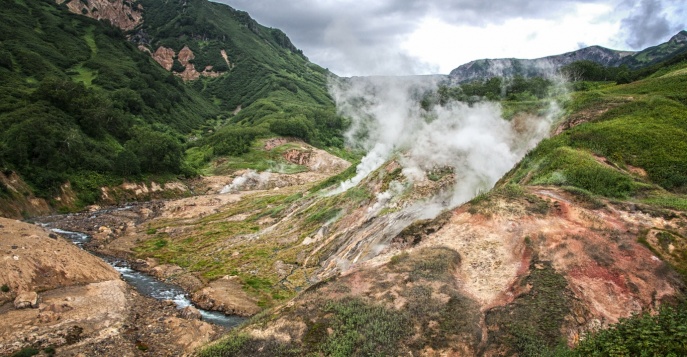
(487, 68)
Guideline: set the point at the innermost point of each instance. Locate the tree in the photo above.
(127, 164)
(157, 152)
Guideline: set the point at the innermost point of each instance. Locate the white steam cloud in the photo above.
(474, 140)
(250, 179)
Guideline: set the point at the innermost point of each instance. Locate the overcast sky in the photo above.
(387, 37)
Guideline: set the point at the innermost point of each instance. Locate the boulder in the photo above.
(190, 313)
(26, 299)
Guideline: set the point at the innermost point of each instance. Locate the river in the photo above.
(150, 286)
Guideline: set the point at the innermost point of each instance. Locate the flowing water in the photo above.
(150, 286)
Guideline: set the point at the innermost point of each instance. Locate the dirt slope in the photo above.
(77, 303)
(538, 261)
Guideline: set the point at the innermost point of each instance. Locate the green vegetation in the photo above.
(636, 67)
(79, 101)
(517, 93)
(26, 352)
(272, 81)
(336, 179)
(635, 147)
(531, 324)
(359, 329)
(339, 323)
(662, 334)
(364, 330)
(5, 288)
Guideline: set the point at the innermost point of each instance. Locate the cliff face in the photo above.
(123, 14)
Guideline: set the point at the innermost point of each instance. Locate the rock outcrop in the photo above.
(166, 57)
(122, 14)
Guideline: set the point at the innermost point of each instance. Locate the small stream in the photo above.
(150, 286)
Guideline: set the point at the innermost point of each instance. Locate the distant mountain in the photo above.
(487, 68)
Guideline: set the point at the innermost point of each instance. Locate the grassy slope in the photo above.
(269, 78)
(79, 102)
(74, 92)
(641, 125)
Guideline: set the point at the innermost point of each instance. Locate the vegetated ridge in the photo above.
(627, 60)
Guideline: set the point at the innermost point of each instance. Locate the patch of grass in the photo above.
(242, 344)
(664, 239)
(323, 216)
(357, 194)
(5, 288)
(363, 329)
(640, 124)
(530, 325)
(585, 197)
(566, 166)
(662, 334)
(336, 179)
(398, 258)
(437, 263)
(676, 202)
(159, 243)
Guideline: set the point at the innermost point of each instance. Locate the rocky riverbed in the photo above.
(57, 296)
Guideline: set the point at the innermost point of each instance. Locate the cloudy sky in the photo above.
(395, 37)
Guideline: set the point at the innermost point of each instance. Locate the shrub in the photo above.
(26, 352)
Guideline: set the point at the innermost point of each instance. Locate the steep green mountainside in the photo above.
(80, 103)
(264, 77)
(675, 46)
(613, 129)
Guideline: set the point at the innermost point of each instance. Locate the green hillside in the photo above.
(80, 103)
(621, 127)
(268, 77)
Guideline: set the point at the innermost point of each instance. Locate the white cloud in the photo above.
(421, 37)
(450, 45)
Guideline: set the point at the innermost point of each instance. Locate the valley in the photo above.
(513, 207)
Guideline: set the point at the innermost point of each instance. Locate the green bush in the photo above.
(26, 352)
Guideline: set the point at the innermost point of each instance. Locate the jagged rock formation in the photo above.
(126, 16)
(123, 14)
(166, 57)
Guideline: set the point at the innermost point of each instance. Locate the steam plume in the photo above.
(250, 179)
(474, 140)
